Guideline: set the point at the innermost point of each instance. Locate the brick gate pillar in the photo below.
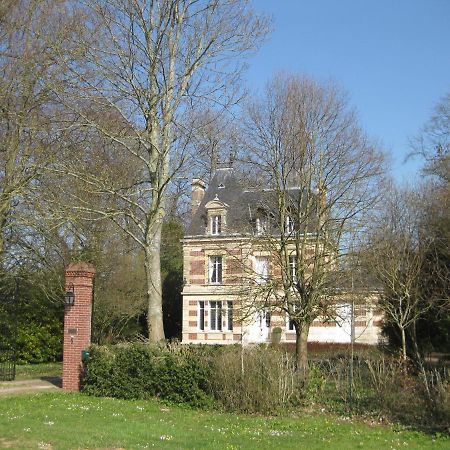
(77, 322)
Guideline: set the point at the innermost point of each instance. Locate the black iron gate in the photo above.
(7, 365)
(8, 328)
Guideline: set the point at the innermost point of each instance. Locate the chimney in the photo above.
(198, 192)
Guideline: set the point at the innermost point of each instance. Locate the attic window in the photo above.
(261, 225)
(216, 225)
(221, 186)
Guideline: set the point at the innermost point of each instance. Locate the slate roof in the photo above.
(243, 204)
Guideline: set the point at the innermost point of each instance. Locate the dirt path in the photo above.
(29, 386)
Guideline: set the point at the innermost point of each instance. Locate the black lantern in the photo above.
(69, 296)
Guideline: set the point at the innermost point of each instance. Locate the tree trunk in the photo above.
(403, 336)
(301, 350)
(154, 287)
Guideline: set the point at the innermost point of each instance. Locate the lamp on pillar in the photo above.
(69, 296)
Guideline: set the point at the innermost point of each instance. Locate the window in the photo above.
(264, 318)
(290, 322)
(215, 269)
(229, 315)
(291, 325)
(261, 269)
(215, 316)
(289, 225)
(201, 315)
(216, 225)
(261, 225)
(293, 268)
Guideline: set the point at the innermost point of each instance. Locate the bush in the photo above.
(140, 371)
(254, 379)
(38, 343)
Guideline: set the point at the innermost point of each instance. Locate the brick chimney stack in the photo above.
(198, 192)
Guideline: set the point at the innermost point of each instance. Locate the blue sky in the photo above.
(392, 57)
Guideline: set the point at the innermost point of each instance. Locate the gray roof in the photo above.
(243, 204)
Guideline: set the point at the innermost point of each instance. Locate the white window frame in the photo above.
(216, 224)
(261, 225)
(289, 225)
(215, 315)
(215, 269)
(261, 269)
(293, 267)
(229, 316)
(289, 322)
(265, 318)
(201, 315)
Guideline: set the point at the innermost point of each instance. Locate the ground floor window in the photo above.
(229, 315)
(219, 313)
(201, 315)
(215, 316)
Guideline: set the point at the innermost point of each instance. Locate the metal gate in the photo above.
(7, 365)
(8, 327)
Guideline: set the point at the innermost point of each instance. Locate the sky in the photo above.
(391, 56)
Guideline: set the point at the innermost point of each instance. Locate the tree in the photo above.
(433, 141)
(146, 64)
(322, 173)
(172, 277)
(433, 144)
(396, 253)
(28, 112)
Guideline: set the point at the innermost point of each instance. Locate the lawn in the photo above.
(72, 421)
(34, 371)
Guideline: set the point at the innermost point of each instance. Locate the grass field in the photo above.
(74, 421)
(33, 371)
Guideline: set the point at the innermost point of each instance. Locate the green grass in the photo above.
(71, 421)
(34, 371)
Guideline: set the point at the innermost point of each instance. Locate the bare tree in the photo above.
(322, 176)
(433, 141)
(29, 128)
(148, 63)
(395, 255)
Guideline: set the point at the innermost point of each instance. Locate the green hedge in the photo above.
(140, 371)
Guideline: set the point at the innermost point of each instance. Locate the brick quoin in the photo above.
(77, 322)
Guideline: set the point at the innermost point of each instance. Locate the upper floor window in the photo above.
(289, 225)
(215, 269)
(290, 322)
(216, 224)
(293, 267)
(261, 269)
(265, 318)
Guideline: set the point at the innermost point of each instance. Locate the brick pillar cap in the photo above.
(80, 267)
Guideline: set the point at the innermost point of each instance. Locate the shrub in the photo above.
(140, 371)
(254, 379)
(38, 343)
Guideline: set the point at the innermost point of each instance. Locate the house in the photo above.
(221, 254)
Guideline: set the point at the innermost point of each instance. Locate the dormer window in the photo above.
(216, 213)
(261, 225)
(216, 224)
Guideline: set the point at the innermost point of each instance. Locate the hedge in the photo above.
(141, 371)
